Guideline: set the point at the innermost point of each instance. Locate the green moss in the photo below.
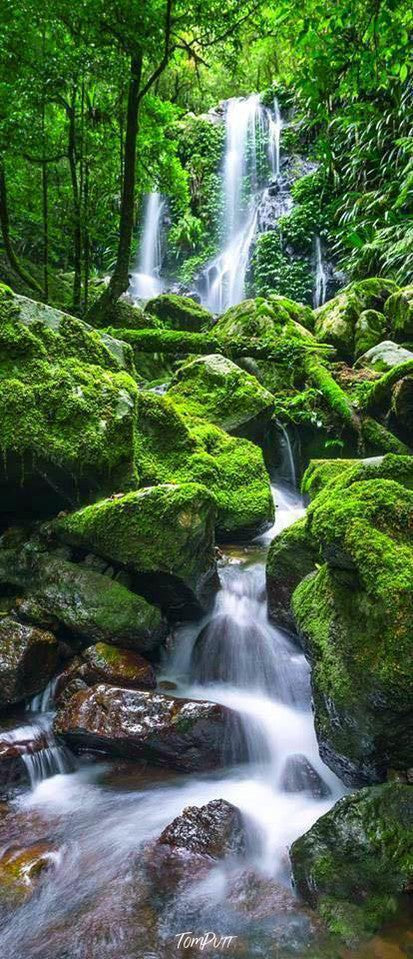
(377, 439)
(332, 474)
(378, 396)
(174, 448)
(399, 311)
(336, 320)
(291, 556)
(354, 863)
(179, 313)
(66, 412)
(126, 316)
(355, 618)
(217, 390)
(370, 329)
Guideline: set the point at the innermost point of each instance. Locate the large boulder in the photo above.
(178, 733)
(216, 389)
(292, 555)
(354, 618)
(368, 331)
(67, 411)
(402, 406)
(191, 844)
(384, 356)
(326, 474)
(28, 660)
(262, 320)
(91, 606)
(163, 535)
(399, 311)
(171, 447)
(179, 312)
(336, 320)
(356, 860)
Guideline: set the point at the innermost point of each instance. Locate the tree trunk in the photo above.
(86, 238)
(8, 245)
(120, 279)
(77, 226)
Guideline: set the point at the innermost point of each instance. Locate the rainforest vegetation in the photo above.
(206, 479)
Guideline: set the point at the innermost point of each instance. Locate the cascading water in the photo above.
(145, 280)
(320, 290)
(89, 905)
(251, 131)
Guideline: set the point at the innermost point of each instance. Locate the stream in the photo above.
(100, 815)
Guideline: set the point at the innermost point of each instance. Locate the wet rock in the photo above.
(104, 664)
(118, 667)
(14, 745)
(164, 535)
(21, 871)
(300, 776)
(93, 606)
(216, 389)
(68, 426)
(232, 468)
(368, 331)
(179, 312)
(190, 845)
(291, 556)
(356, 860)
(28, 659)
(402, 406)
(399, 310)
(336, 320)
(354, 619)
(184, 734)
(384, 356)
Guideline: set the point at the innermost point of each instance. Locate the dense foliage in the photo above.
(66, 79)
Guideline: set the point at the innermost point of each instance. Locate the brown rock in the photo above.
(28, 659)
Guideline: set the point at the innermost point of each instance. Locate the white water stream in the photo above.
(100, 819)
(320, 291)
(145, 280)
(250, 127)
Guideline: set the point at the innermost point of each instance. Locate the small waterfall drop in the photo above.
(252, 158)
(274, 151)
(145, 281)
(320, 290)
(44, 756)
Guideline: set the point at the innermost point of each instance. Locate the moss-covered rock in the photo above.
(384, 356)
(368, 331)
(216, 389)
(90, 606)
(336, 321)
(399, 311)
(66, 411)
(354, 617)
(103, 663)
(28, 659)
(263, 319)
(179, 312)
(339, 474)
(292, 555)
(164, 535)
(176, 448)
(354, 863)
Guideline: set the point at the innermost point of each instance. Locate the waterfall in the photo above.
(249, 125)
(275, 127)
(320, 276)
(145, 282)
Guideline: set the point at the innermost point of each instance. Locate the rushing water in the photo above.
(249, 126)
(100, 816)
(320, 291)
(145, 281)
